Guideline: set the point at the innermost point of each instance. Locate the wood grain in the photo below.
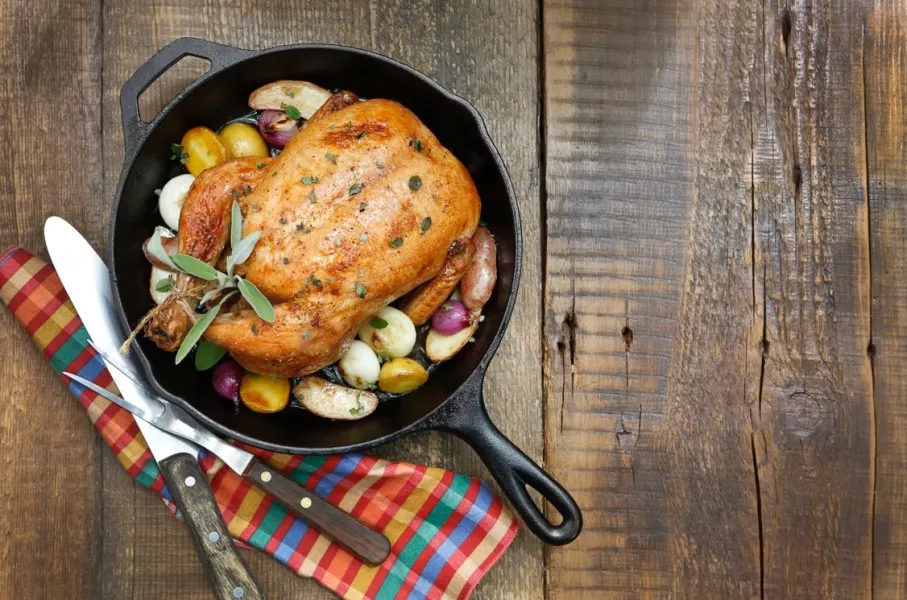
(885, 76)
(707, 306)
(229, 575)
(355, 536)
(472, 49)
(50, 127)
(812, 402)
(619, 163)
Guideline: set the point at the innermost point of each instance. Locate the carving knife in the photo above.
(358, 538)
(87, 282)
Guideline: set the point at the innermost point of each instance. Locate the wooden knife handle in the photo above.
(193, 495)
(355, 536)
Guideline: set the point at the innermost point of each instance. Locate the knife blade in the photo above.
(161, 416)
(87, 283)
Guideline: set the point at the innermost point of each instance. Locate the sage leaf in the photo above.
(197, 330)
(195, 267)
(256, 299)
(210, 295)
(235, 225)
(243, 250)
(208, 355)
(156, 246)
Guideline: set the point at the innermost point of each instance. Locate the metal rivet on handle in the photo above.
(238, 592)
(190, 481)
(305, 502)
(213, 537)
(265, 476)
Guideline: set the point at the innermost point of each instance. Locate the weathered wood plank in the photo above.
(885, 32)
(649, 295)
(811, 381)
(51, 164)
(473, 50)
(698, 508)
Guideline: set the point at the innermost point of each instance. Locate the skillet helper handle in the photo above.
(229, 574)
(361, 540)
(513, 470)
(219, 55)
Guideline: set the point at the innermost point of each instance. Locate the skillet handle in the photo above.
(220, 57)
(467, 418)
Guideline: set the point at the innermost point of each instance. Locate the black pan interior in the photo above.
(221, 97)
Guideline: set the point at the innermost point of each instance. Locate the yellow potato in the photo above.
(264, 394)
(204, 148)
(401, 375)
(241, 139)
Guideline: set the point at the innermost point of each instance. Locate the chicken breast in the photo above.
(361, 207)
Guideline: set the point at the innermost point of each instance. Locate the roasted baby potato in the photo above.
(401, 375)
(333, 401)
(264, 394)
(306, 97)
(204, 148)
(241, 139)
(440, 347)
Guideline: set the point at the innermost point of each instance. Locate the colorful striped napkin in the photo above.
(446, 529)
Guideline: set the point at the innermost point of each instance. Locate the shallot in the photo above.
(452, 317)
(276, 127)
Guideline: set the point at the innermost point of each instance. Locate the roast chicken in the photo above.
(360, 208)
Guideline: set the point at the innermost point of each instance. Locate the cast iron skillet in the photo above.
(452, 399)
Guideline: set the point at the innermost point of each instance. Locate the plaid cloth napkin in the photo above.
(446, 529)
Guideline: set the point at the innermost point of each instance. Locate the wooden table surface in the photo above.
(710, 344)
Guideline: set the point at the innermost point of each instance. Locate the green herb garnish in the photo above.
(195, 267)
(378, 323)
(198, 329)
(396, 242)
(312, 197)
(331, 157)
(310, 179)
(426, 224)
(291, 111)
(360, 290)
(178, 153)
(363, 206)
(316, 282)
(290, 93)
(356, 188)
(380, 164)
(415, 182)
(259, 165)
(241, 249)
(208, 355)
(256, 299)
(417, 144)
(360, 134)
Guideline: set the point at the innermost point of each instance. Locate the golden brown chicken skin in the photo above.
(359, 208)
